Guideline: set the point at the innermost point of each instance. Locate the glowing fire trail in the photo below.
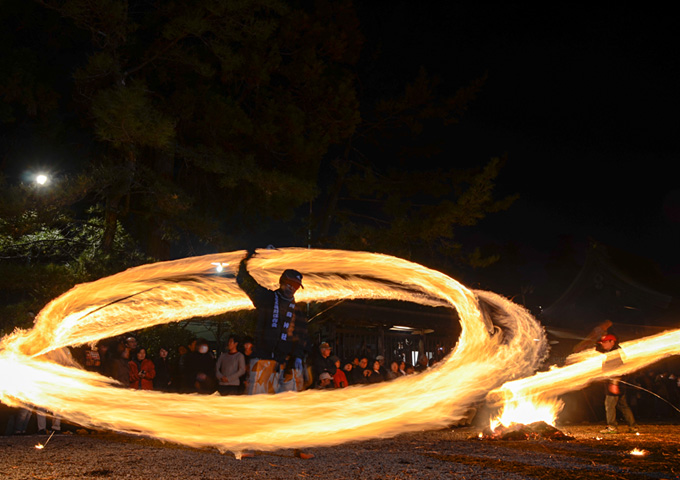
(484, 358)
(542, 389)
(34, 370)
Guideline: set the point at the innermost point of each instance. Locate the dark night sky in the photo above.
(583, 101)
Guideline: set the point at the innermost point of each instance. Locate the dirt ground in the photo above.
(444, 454)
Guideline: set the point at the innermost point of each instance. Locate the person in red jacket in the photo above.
(142, 371)
(339, 377)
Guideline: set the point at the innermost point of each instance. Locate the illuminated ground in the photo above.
(440, 454)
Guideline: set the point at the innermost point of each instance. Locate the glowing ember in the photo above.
(519, 431)
(36, 371)
(638, 452)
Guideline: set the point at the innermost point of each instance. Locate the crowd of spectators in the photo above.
(654, 395)
(196, 368)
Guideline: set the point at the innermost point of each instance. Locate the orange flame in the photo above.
(35, 369)
(527, 412)
(586, 367)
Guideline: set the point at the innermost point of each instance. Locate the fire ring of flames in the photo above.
(36, 372)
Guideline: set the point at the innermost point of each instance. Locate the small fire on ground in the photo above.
(519, 431)
(526, 420)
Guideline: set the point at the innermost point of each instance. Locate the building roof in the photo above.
(617, 286)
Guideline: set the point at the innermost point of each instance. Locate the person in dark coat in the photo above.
(163, 381)
(323, 362)
(275, 339)
(120, 368)
(202, 368)
(360, 373)
(276, 364)
(376, 375)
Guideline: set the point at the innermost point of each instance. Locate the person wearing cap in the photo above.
(278, 341)
(615, 396)
(323, 363)
(325, 381)
(275, 338)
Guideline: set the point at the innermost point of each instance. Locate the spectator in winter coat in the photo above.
(393, 372)
(120, 368)
(142, 371)
(163, 380)
(202, 364)
(339, 377)
(229, 368)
